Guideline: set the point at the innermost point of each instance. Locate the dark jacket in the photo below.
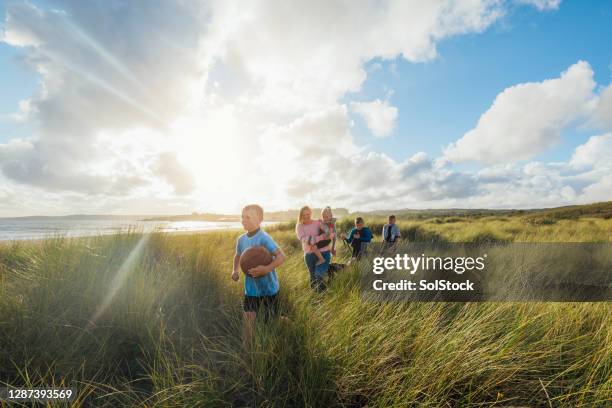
(365, 235)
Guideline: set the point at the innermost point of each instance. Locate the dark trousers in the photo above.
(356, 245)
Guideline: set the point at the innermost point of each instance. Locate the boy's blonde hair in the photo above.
(301, 214)
(256, 208)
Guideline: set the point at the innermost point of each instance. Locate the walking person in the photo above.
(359, 238)
(390, 234)
(261, 284)
(309, 233)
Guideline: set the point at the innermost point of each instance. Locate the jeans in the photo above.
(317, 272)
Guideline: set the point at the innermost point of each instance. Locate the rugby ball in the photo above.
(254, 256)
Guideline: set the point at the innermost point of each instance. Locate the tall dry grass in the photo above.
(154, 320)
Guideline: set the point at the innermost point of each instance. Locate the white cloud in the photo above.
(97, 78)
(148, 66)
(169, 167)
(600, 190)
(380, 117)
(597, 151)
(25, 110)
(602, 117)
(583, 179)
(526, 119)
(171, 107)
(320, 164)
(327, 170)
(294, 56)
(592, 168)
(542, 4)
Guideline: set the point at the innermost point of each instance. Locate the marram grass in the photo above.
(155, 320)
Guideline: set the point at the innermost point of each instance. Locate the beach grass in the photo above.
(154, 320)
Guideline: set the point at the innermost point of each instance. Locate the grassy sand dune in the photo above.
(154, 320)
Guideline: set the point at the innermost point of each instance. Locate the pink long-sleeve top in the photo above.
(304, 233)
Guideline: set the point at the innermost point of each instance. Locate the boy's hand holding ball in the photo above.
(255, 260)
(259, 271)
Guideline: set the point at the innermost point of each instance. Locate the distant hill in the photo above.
(598, 210)
(447, 212)
(551, 215)
(535, 215)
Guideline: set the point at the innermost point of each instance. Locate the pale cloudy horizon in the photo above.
(159, 107)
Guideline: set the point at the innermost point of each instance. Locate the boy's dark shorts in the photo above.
(266, 305)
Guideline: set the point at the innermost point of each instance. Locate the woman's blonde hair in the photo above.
(300, 219)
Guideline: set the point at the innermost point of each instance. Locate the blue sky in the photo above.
(440, 100)
(166, 107)
(17, 83)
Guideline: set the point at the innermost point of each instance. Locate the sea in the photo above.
(24, 228)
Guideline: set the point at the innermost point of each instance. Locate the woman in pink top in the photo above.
(309, 233)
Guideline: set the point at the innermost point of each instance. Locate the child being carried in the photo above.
(328, 227)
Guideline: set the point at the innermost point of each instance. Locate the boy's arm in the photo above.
(262, 270)
(235, 274)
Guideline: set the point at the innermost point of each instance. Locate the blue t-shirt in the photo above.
(266, 285)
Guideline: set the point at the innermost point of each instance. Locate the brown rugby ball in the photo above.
(254, 256)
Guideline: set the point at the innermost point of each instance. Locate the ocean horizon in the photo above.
(25, 229)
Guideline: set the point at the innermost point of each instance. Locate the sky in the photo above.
(162, 107)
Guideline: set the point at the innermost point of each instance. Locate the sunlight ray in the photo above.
(120, 277)
(106, 86)
(102, 52)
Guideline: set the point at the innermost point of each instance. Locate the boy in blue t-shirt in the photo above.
(260, 284)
